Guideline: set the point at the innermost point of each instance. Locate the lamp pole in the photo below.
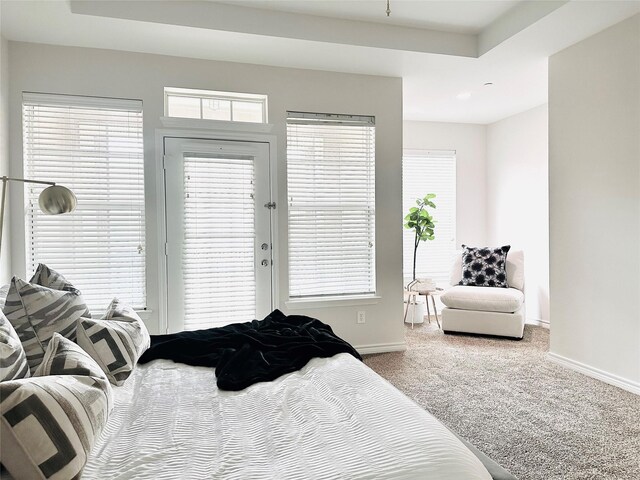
(5, 180)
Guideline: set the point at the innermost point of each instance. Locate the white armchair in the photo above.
(486, 310)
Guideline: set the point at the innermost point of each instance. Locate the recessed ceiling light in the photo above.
(464, 96)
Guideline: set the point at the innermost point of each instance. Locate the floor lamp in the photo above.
(53, 200)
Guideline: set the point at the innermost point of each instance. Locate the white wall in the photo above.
(80, 71)
(518, 198)
(5, 257)
(468, 141)
(594, 171)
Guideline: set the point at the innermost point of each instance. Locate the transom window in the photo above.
(211, 105)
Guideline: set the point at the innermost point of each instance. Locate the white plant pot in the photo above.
(419, 310)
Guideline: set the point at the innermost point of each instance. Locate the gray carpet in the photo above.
(537, 419)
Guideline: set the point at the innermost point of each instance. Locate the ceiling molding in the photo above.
(256, 21)
(514, 21)
(436, 87)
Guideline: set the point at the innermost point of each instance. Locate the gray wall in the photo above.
(82, 71)
(594, 192)
(5, 255)
(518, 199)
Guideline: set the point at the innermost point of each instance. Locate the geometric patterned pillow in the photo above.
(48, 277)
(37, 312)
(116, 341)
(13, 360)
(49, 424)
(484, 267)
(64, 357)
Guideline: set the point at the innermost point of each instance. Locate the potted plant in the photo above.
(421, 221)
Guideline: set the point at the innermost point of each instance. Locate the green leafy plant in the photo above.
(421, 221)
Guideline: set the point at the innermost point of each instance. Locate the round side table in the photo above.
(428, 293)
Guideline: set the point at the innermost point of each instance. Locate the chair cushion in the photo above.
(487, 299)
(515, 269)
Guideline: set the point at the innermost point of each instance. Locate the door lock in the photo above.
(264, 246)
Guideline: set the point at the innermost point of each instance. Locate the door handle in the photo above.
(265, 263)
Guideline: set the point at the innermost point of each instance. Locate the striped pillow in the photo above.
(47, 277)
(13, 360)
(49, 423)
(37, 312)
(116, 341)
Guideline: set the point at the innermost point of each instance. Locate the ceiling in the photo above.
(445, 51)
(462, 16)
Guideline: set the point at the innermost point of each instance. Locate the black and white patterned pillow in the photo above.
(13, 360)
(64, 357)
(49, 423)
(37, 312)
(48, 277)
(116, 341)
(484, 267)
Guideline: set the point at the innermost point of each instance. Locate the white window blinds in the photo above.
(94, 147)
(331, 190)
(430, 172)
(218, 255)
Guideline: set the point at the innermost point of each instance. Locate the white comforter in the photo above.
(334, 419)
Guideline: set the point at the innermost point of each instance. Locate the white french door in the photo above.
(219, 247)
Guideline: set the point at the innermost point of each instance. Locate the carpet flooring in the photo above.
(535, 418)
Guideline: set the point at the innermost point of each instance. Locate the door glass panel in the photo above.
(218, 254)
(218, 249)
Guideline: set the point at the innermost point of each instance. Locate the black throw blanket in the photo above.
(251, 352)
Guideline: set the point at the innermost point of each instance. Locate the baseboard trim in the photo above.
(611, 379)
(537, 321)
(381, 348)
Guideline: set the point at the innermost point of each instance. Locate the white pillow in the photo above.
(514, 267)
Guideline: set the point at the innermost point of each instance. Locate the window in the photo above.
(210, 105)
(94, 147)
(425, 172)
(331, 190)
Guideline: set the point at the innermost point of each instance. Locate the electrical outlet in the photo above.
(361, 317)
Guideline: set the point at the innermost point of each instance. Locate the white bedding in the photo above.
(334, 419)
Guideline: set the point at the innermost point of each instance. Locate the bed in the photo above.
(308, 412)
(334, 418)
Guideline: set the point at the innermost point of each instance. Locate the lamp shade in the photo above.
(57, 199)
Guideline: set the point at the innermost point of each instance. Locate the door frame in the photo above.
(221, 131)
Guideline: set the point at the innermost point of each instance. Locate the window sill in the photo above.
(327, 302)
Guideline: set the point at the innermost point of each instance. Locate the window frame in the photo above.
(430, 153)
(89, 102)
(336, 299)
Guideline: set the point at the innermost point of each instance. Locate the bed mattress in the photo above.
(334, 419)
